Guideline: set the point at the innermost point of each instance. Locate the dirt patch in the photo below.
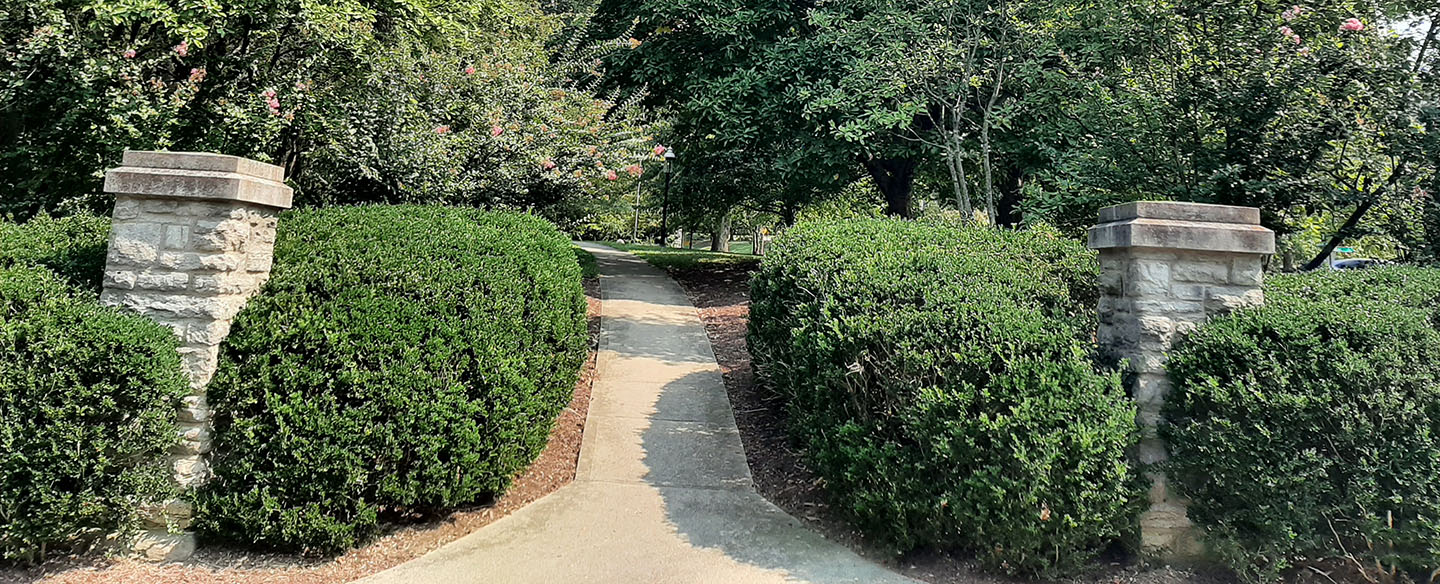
(555, 468)
(721, 293)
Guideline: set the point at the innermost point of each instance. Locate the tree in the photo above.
(417, 101)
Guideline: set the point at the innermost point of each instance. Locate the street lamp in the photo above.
(665, 203)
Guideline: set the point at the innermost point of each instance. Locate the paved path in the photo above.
(663, 493)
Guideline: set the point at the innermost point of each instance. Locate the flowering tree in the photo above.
(411, 101)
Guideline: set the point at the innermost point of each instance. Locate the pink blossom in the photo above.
(660, 150)
(496, 131)
(1287, 31)
(1295, 39)
(183, 48)
(1303, 51)
(1352, 24)
(1293, 13)
(197, 75)
(634, 170)
(129, 53)
(470, 70)
(301, 86)
(610, 175)
(442, 129)
(269, 93)
(548, 164)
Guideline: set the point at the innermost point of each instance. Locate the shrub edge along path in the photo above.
(663, 492)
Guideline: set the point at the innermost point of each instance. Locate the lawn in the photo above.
(678, 259)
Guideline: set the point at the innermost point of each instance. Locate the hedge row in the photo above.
(401, 361)
(71, 247)
(941, 380)
(1307, 432)
(87, 407)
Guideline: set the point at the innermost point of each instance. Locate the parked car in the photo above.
(1357, 264)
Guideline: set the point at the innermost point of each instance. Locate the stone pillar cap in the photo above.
(199, 176)
(1182, 226)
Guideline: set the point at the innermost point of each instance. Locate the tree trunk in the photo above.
(720, 237)
(894, 178)
(1340, 235)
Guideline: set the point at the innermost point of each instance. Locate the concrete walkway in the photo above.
(663, 493)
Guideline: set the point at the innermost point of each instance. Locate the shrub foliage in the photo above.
(87, 407)
(402, 360)
(1308, 430)
(941, 381)
(73, 247)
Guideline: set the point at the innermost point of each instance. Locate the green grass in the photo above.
(588, 269)
(682, 259)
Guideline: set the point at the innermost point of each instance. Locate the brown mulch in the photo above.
(721, 293)
(554, 468)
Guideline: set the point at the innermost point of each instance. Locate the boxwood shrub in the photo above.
(72, 247)
(87, 407)
(401, 361)
(940, 380)
(1307, 432)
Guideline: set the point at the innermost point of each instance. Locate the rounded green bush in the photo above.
(72, 247)
(1308, 429)
(941, 381)
(87, 407)
(402, 360)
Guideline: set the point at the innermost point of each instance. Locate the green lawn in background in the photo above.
(588, 269)
(682, 259)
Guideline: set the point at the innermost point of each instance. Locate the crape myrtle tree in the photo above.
(414, 101)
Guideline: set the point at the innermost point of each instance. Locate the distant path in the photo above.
(662, 493)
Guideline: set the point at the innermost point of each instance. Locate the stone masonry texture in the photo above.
(1165, 268)
(191, 241)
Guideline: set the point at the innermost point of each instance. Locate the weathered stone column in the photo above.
(191, 241)
(1165, 268)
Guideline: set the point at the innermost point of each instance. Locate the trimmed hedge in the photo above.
(72, 247)
(941, 381)
(87, 407)
(401, 361)
(1308, 430)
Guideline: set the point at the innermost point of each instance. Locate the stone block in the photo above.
(125, 208)
(221, 235)
(1246, 271)
(166, 281)
(163, 546)
(1146, 277)
(120, 279)
(1205, 272)
(177, 236)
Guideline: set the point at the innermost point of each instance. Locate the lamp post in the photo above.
(665, 203)
(635, 233)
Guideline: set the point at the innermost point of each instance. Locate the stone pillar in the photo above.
(1164, 269)
(191, 240)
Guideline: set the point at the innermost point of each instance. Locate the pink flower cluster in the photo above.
(1290, 34)
(496, 131)
(1352, 25)
(198, 74)
(660, 150)
(634, 170)
(610, 175)
(183, 48)
(470, 70)
(442, 129)
(129, 53)
(548, 164)
(1292, 13)
(272, 102)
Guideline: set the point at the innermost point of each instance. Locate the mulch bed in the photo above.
(721, 293)
(554, 469)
